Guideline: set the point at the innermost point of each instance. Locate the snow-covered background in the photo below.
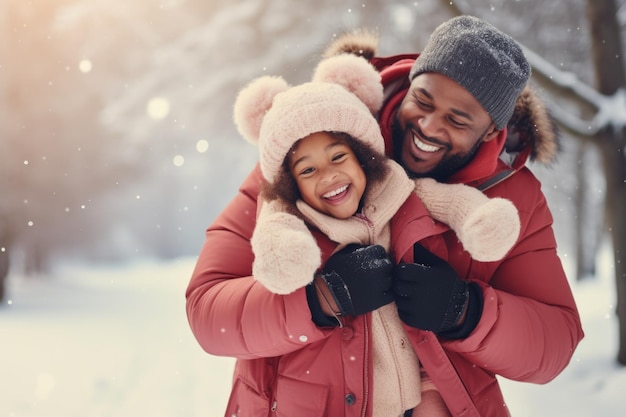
(118, 148)
(114, 342)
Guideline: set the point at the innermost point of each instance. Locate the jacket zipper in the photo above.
(366, 383)
(364, 218)
(274, 405)
(370, 226)
(367, 323)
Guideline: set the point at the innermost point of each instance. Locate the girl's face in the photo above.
(328, 174)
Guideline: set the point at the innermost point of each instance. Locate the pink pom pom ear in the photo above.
(356, 75)
(252, 104)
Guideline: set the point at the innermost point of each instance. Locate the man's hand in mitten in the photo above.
(430, 296)
(359, 278)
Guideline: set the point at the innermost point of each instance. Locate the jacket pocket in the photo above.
(244, 401)
(298, 398)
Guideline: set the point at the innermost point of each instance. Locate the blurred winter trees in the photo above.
(116, 137)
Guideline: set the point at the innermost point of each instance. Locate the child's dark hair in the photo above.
(286, 189)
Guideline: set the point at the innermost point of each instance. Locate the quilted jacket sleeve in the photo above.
(530, 325)
(232, 314)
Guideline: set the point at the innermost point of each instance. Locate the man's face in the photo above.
(438, 127)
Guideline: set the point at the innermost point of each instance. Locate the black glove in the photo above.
(359, 278)
(430, 296)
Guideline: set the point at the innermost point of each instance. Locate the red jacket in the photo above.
(287, 366)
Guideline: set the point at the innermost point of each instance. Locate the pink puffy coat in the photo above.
(287, 366)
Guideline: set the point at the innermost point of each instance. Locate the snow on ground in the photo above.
(114, 341)
(102, 342)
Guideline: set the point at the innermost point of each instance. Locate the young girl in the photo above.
(327, 179)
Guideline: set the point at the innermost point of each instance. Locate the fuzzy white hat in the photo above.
(342, 97)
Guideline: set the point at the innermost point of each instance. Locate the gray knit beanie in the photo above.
(482, 59)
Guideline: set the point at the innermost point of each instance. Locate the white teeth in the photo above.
(424, 146)
(337, 191)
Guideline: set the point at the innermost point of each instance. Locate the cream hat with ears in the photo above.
(342, 97)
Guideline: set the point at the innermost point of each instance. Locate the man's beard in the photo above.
(448, 166)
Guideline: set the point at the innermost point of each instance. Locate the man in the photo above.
(445, 116)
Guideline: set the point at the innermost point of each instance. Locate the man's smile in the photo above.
(423, 146)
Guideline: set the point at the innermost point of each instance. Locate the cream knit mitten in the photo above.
(487, 227)
(286, 254)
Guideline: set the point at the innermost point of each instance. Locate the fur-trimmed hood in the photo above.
(532, 132)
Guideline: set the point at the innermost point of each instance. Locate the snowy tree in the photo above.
(609, 124)
(53, 152)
